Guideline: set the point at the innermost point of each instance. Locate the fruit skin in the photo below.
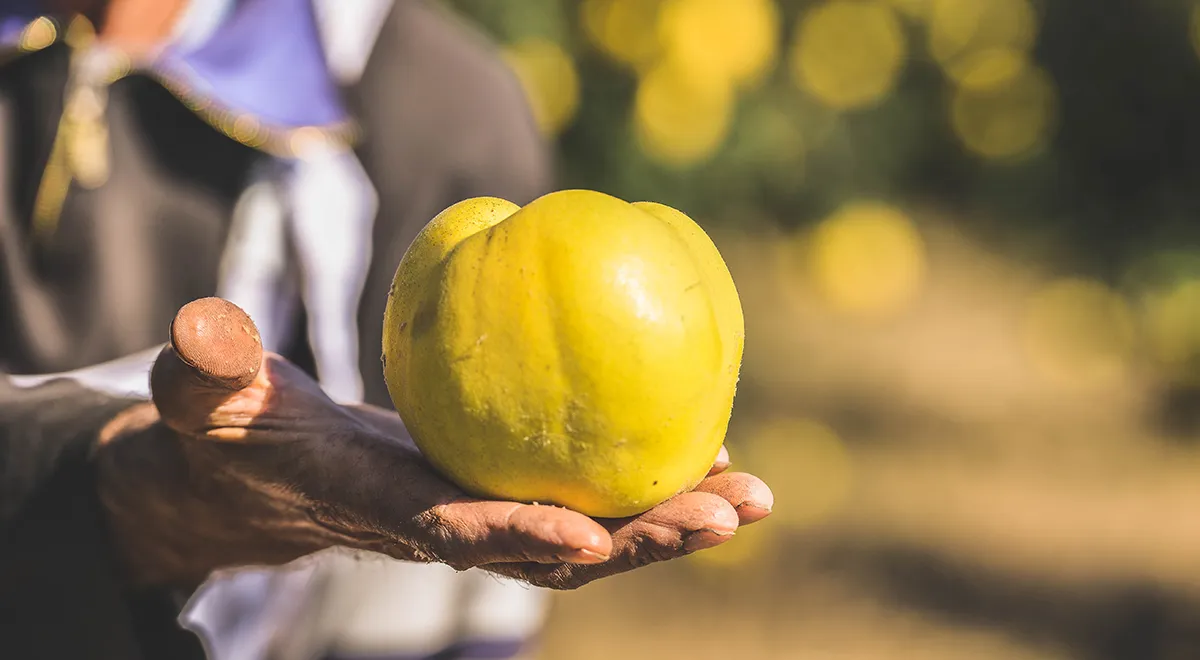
(580, 351)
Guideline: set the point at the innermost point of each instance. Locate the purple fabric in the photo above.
(14, 16)
(10, 30)
(265, 60)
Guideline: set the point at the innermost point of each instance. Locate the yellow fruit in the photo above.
(579, 351)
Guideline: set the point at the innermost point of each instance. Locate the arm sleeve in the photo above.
(61, 594)
(50, 421)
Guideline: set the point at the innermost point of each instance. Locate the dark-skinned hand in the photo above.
(241, 460)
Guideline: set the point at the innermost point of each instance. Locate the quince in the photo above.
(580, 351)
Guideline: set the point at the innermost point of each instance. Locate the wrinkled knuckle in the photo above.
(656, 546)
(435, 538)
(557, 578)
(564, 579)
(429, 523)
(404, 551)
(642, 558)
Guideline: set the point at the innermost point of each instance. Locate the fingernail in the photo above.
(716, 469)
(584, 556)
(752, 512)
(721, 463)
(754, 505)
(703, 539)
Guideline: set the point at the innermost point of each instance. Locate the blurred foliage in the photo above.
(1054, 128)
(1059, 133)
(965, 236)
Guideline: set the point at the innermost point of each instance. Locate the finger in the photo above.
(473, 533)
(750, 497)
(214, 380)
(685, 523)
(363, 482)
(721, 463)
(214, 351)
(218, 341)
(682, 525)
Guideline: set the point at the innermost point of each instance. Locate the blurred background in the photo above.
(965, 236)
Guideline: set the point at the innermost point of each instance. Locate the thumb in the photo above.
(214, 353)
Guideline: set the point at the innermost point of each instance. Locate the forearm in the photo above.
(96, 424)
(45, 429)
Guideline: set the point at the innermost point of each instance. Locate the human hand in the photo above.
(242, 460)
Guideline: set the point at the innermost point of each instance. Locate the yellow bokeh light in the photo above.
(225, 123)
(810, 469)
(959, 28)
(247, 130)
(85, 139)
(80, 33)
(548, 75)
(678, 122)
(1079, 331)
(120, 66)
(302, 141)
(38, 34)
(867, 259)
(1173, 326)
(848, 53)
(1008, 121)
(724, 40)
(625, 30)
(195, 103)
(990, 69)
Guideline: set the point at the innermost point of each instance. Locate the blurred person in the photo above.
(163, 151)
